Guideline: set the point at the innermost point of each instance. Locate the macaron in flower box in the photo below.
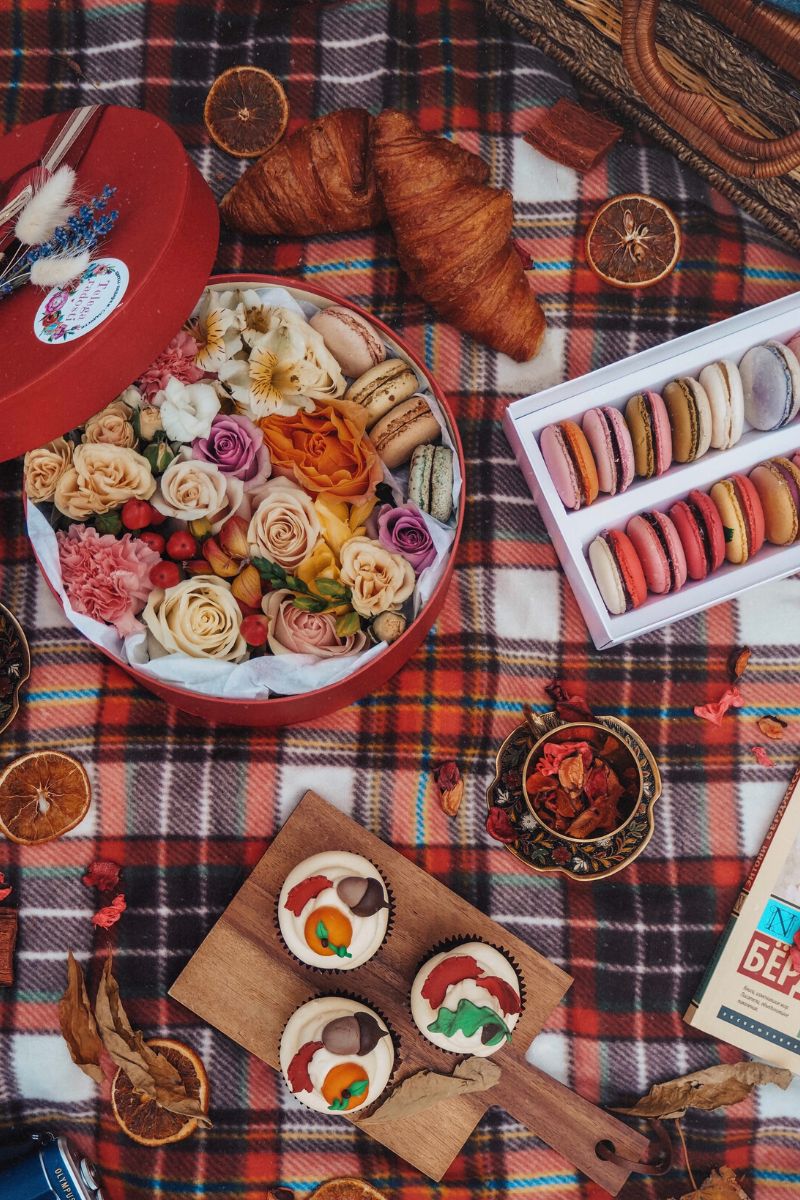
(671, 480)
(226, 507)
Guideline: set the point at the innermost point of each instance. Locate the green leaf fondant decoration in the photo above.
(354, 1089)
(322, 931)
(468, 1019)
(359, 1087)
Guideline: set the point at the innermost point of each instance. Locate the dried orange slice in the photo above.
(146, 1121)
(43, 795)
(246, 111)
(633, 241)
(347, 1189)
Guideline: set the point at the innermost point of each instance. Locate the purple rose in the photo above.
(237, 447)
(404, 531)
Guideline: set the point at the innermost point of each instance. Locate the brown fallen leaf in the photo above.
(78, 1026)
(424, 1089)
(149, 1071)
(720, 1185)
(737, 663)
(772, 727)
(715, 1087)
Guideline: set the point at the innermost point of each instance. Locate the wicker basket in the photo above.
(697, 77)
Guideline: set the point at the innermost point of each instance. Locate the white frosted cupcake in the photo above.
(333, 910)
(467, 999)
(336, 1054)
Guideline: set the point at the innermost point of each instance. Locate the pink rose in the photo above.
(293, 631)
(105, 577)
(237, 447)
(404, 531)
(176, 362)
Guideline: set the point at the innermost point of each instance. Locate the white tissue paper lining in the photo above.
(258, 678)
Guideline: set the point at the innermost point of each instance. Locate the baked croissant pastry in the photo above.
(320, 180)
(453, 237)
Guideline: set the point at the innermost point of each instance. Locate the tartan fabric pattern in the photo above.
(188, 809)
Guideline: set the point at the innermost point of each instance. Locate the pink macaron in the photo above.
(659, 547)
(610, 440)
(352, 341)
(699, 527)
(651, 433)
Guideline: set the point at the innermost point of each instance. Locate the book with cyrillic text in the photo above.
(750, 994)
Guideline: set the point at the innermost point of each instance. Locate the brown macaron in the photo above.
(408, 425)
(383, 386)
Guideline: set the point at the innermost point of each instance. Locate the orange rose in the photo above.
(326, 450)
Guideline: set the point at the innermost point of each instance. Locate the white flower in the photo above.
(253, 316)
(215, 328)
(288, 367)
(132, 397)
(187, 409)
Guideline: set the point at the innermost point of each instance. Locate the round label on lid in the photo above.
(68, 312)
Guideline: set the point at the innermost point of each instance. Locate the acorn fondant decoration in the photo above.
(356, 1034)
(364, 897)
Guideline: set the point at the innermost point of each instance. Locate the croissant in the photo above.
(321, 180)
(453, 236)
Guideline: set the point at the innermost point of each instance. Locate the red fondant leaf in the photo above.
(301, 893)
(730, 698)
(297, 1073)
(103, 875)
(108, 916)
(498, 826)
(448, 971)
(503, 993)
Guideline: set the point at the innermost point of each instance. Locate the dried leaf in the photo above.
(737, 663)
(720, 1185)
(78, 1026)
(730, 698)
(149, 1071)
(424, 1089)
(761, 756)
(716, 1087)
(772, 727)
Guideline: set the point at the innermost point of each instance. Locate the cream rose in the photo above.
(102, 477)
(378, 578)
(44, 468)
(198, 617)
(189, 490)
(285, 527)
(292, 631)
(112, 426)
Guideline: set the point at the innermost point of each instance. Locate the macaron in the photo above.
(617, 571)
(689, 418)
(408, 425)
(742, 517)
(699, 527)
(610, 442)
(570, 462)
(648, 421)
(430, 480)
(771, 385)
(656, 541)
(383, 386)
(351, 339)
(778, 485)
(723, 385)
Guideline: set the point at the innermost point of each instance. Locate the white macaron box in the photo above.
(572, 532)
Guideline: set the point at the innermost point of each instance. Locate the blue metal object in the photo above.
(51, 1169)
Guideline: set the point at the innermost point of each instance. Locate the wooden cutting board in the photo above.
(243, 981)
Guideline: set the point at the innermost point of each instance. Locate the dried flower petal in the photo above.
(772, 727)
(447, 775)
(102, 874)
(5, 892)
(737, 664)
(568, 708)
(499, 826)
(554, 754)
(571, 773)
(730, 698)
(451, 799)
(761, 756)
(108, 916)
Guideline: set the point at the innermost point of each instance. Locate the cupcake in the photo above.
(333, 911)
(467, 999)
(336, 1054)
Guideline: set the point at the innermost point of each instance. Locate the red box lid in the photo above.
(63, 356)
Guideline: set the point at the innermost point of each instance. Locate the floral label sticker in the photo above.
(68, 312)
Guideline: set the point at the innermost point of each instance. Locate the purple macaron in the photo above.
(771, 385)
(610, 440)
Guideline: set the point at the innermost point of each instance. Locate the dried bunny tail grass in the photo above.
(55, 271)
(47, 209)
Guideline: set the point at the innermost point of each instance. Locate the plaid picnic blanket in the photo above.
(188, 809)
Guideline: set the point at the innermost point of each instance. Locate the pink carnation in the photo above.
(105, 577)
(177, 362)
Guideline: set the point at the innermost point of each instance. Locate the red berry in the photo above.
(254, 629)
(136, 514)
(165, 575)
(157, 518)
(154, 540)
(181, 545)
(198, 566)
